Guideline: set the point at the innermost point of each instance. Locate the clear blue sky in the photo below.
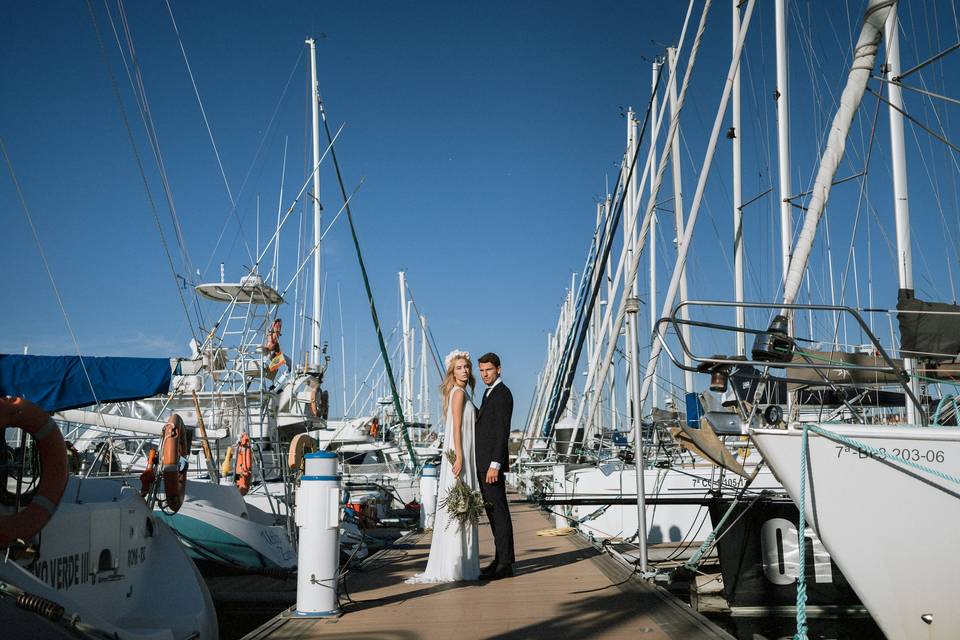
(484, 133)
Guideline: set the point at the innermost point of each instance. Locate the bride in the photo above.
(455, 551)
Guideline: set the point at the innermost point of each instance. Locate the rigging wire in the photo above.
(146, 115)
(434, 352)
(203, 112)
(139, 162)
(256, 156)
(53, 282)
(366, 284)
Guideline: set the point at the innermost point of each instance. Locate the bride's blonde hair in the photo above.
(449, 381)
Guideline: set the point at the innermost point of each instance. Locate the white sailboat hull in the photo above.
(215, 523)
(104, 558)
(666, 523)
(891, 528)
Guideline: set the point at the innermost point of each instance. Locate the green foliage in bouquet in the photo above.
(461, 502)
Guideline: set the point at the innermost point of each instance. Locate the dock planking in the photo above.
(562, 588)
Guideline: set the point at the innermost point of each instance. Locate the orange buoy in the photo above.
(244, 464)
(374, 428)
(23, 525)
(149, 475)
(173, 447)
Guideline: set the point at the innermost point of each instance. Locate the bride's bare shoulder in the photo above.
(459, 400)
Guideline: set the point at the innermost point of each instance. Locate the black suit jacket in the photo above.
(493, 429)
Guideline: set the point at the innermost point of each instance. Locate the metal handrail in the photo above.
(675, 321)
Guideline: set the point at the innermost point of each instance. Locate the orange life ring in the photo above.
(149, 475)
(302, 444)
(173, 447)
(319, 405)
(23, 525)
(244, 464)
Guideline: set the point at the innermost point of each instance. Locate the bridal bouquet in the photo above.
(462, 503)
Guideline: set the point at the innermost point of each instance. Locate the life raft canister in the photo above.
(23, 525)
(174, 450)
(244, 464)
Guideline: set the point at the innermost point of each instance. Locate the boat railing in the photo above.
(788, 354)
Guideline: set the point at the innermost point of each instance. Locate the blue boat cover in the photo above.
(57, 383)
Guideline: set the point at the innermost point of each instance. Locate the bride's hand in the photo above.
(457, 467)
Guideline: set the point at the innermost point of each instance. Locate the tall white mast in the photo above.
(676, 171)
(783, 135)
(315, 333)
(652, 230)
(424, 374)
(691, 222)
(629, 240)
(610, 337)
(901, 203)
(343, 353)
(737, 191)
(406, 387)
(595, 329)
(571, 312)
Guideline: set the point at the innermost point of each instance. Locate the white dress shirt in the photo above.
(493, 463)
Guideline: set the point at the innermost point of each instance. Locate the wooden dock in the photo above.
(562, 588)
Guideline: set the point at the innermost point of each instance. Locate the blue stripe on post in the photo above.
(321, 454)
(316, 478)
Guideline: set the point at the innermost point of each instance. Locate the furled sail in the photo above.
(56, 383)
(864, 59)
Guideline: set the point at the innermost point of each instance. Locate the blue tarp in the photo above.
(57, 383)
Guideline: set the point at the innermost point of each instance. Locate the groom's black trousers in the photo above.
(495, 499)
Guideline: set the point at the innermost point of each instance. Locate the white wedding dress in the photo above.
(455, 550)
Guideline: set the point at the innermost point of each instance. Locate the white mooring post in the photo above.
(428, 495)
(318, 517)
(560, 486)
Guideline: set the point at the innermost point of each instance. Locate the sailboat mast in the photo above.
(407, 380)
(424, 374)
(691, 222)
(315, 102)
(901, 203)
(737, 190)
(676, 171)
(343, 353)
(783, 135)
(629, 239)
(652, 229)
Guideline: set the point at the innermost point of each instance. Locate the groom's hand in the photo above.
(492, 475)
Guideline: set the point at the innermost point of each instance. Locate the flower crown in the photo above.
(453, 355)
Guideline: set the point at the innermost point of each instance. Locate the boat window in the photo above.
(353, 457)
(105, 563)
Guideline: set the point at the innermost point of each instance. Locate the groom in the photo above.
(493, 431)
